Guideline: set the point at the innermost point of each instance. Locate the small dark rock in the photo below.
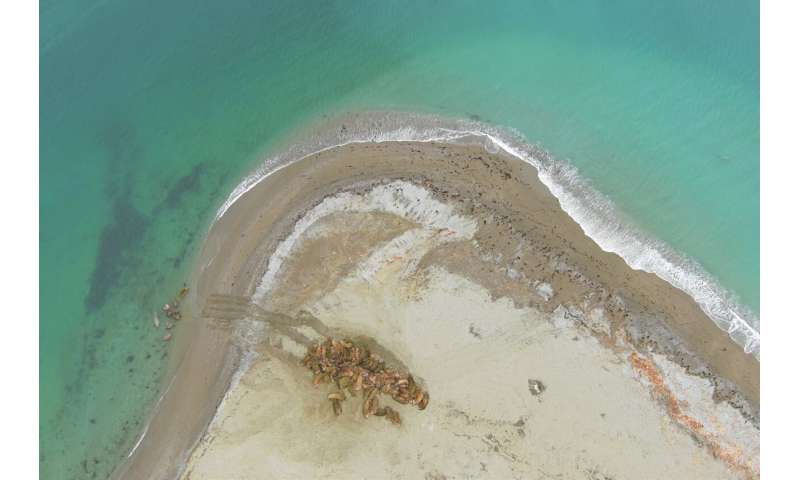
(536, 387)
(474, 331)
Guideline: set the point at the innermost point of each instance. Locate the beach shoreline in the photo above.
(597, 215)
(654, 318)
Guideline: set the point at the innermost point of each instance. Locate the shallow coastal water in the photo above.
(152, 113)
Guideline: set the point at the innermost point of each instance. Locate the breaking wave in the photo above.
(594, 212)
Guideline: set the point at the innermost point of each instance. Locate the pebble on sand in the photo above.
(536, 387)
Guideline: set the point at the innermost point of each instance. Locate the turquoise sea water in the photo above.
(151, 112)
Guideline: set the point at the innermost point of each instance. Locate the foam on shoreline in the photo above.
(594, 212)
(457, 332)
(525, 254)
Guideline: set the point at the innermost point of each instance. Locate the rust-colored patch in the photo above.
(731, 456)
(352, 368)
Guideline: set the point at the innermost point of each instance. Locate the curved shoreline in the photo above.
(597, 216)
(232, 261)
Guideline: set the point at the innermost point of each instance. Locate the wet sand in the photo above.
(479, 282)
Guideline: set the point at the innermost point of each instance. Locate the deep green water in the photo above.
(151, 112)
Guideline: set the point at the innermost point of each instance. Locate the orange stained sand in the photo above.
(731, 456)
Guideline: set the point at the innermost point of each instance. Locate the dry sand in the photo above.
(464, 266)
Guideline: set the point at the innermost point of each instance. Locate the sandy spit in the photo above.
(516, 293)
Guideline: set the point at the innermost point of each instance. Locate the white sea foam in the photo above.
(595, 213)
(147, 423)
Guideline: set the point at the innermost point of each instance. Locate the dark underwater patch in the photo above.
(114, 254)
(186, 184)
